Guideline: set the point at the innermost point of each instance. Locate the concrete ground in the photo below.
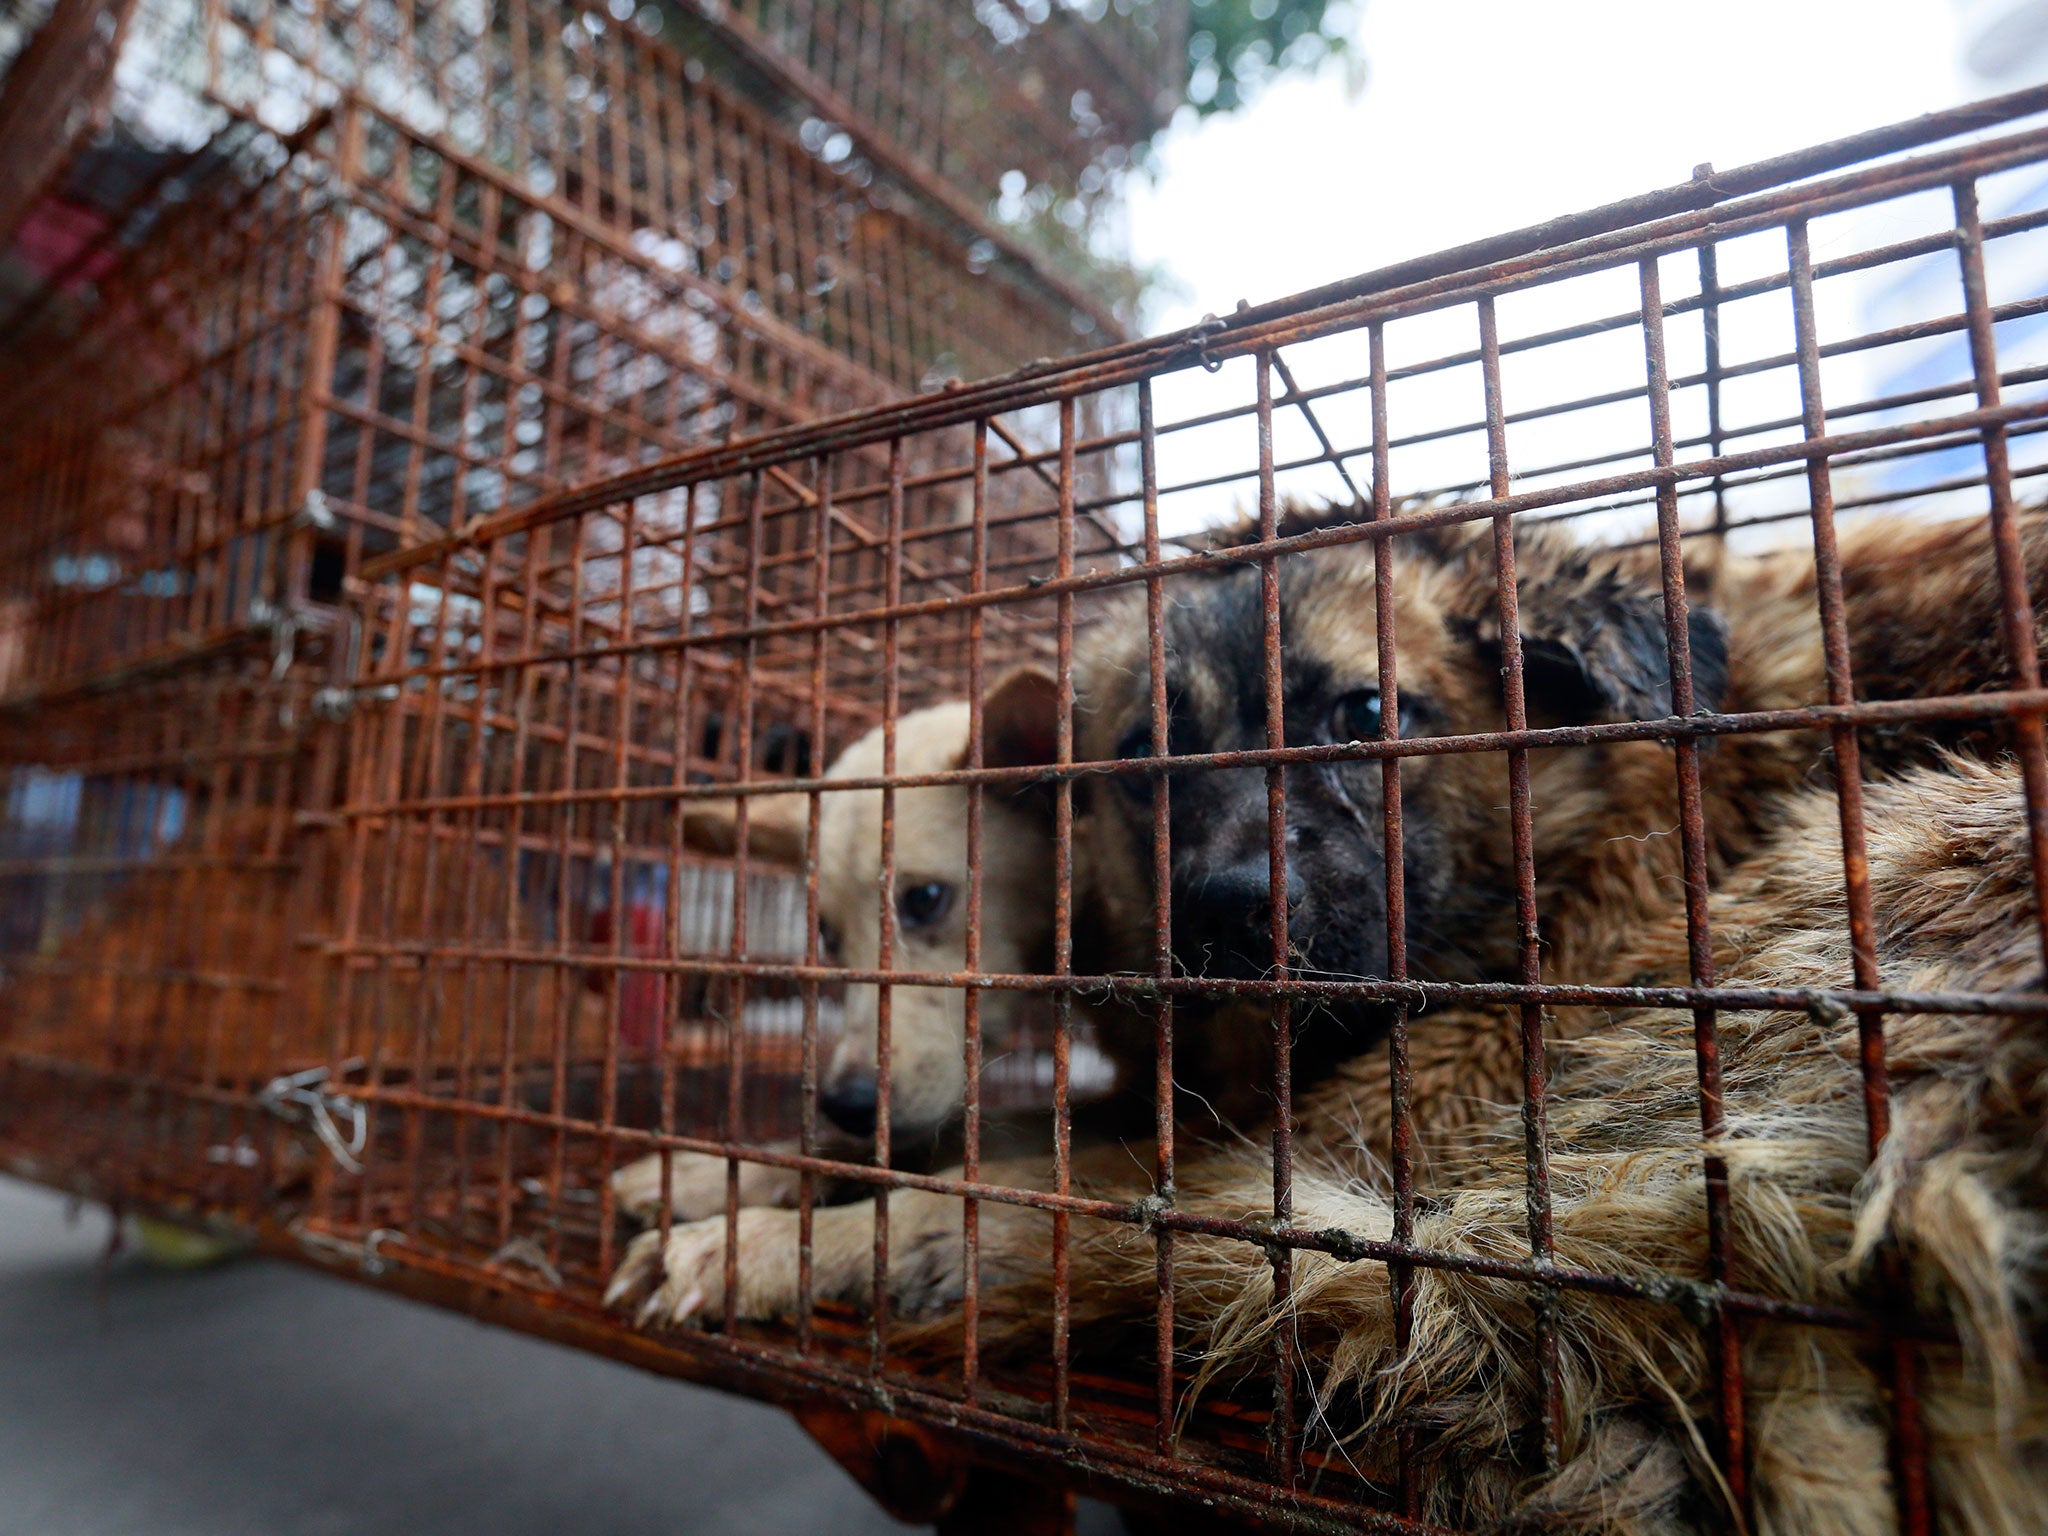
(264, 1398)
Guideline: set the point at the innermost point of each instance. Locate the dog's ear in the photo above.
(1020, 728)
(1020, 721)
(776, 826)
(1593, 646)
(1613, 663)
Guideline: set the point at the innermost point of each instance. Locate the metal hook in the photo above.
(301, 1098)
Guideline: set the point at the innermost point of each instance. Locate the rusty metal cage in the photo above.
(285, 289)
(1042, 70)
(500, 967)
(954, 102)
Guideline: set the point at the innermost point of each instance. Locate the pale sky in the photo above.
(1481, 116)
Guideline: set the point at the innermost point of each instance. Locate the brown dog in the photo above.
(1959, 1193)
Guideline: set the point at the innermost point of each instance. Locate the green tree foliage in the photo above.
(1234, 46)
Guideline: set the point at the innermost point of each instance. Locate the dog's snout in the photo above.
(848, 1101)
(1235, 897)
(1239, 897)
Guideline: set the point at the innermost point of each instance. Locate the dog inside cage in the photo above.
(1479, 921)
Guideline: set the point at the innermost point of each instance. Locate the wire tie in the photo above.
(1148, 1210)
(301, 1098)
(527, 1254)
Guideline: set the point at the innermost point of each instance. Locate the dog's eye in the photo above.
(828, 940)
(921, 905)
(1137, 743)
(1356, 716)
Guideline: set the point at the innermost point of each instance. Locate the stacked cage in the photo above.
(289, 290)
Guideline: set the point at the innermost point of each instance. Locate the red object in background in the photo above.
(643, 998)
(57, 233)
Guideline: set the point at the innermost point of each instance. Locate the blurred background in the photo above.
(706, 220)
(1390, 130)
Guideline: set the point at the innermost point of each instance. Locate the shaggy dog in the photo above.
(1922, 616)
(928, 917)
(1957, 1189)
(1959, 1195)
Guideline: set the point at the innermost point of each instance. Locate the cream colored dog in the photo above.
(927, 911)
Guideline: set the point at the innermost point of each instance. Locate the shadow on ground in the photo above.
(263, 1398)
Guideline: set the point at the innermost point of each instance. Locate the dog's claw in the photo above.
(665, 1285)
(635, 1273)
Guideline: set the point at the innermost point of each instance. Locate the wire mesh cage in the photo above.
(161, 882)
(365, 276)
(1054, 97)
(1742, 382)
(286, 289)
(1448, 776)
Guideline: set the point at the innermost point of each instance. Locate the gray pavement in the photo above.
(264, 1398)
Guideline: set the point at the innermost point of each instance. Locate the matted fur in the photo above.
(1960, 1190)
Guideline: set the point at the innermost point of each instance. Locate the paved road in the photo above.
(263, 1398)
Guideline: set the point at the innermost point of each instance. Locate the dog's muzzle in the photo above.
(849, 1100)
(1223, 920)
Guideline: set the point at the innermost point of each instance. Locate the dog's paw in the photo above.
(696, 1187)
(666, 1284)
(669, 1281)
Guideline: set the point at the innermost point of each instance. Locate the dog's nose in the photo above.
(1239, 897)
(849, 1102)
